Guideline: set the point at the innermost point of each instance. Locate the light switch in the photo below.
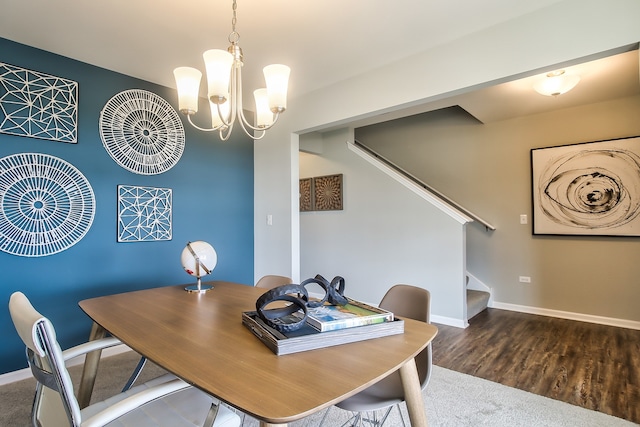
(269, 219)
(523, 219)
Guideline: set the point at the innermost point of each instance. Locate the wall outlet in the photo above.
(524, 279)
(523, 219)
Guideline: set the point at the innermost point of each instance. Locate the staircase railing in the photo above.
(422, 184)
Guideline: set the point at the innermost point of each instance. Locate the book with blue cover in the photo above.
(330, 317)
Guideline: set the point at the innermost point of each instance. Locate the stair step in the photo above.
(477, 301)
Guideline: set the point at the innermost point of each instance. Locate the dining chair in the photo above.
(163, 401)
(271, 281)
(403, 301)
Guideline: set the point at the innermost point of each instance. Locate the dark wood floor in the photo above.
(593, 366)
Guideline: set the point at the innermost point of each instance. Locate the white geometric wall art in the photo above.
(144, 213)
(142, 132)
(47, 205)
(37, 105)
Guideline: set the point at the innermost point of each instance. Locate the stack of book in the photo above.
(326, 326)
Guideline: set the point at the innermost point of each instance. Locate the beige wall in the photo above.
(385, 234)
(486, 168)
(565, 32)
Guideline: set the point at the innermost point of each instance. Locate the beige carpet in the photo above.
(452, 399)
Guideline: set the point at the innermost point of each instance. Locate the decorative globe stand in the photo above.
(198, 258)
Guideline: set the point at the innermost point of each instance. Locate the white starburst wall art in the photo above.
(47, 205)
(37, 105)
(142, 132)
(144, 213)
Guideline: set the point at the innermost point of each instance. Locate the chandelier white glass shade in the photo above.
(224, 81)
(556, 83)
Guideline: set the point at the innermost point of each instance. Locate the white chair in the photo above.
(271, 281)
(164, 401)
(404, 301)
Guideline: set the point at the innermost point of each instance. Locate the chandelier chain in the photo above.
(234, 37)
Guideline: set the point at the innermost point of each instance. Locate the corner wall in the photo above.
(564, 32)
(385, 235)
(486, 168)
(212, 188)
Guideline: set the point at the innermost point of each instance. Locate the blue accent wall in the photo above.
(212, 188)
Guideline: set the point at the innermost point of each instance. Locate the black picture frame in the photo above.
(587, 189)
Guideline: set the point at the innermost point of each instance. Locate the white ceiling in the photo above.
(323, 41)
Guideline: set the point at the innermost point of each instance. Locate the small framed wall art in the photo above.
(38, 105)
(306, 194)
(327, 192)
(142, 132)
(590, 189)
(144, 214)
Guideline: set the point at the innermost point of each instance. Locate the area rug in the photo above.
(452, 399)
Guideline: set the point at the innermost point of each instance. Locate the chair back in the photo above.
(55, 403)
(414, 303)
(271, 281)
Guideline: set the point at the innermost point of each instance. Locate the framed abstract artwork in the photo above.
(142, 132)
(327, 193)
(144, 214)
(588, 189)
(306, 194)
(38, 105)
(47, 205)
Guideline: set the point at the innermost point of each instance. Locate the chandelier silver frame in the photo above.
(224, 78)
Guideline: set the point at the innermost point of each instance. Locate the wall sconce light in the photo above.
(556, 83)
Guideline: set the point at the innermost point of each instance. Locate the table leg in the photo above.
(90, 369)
(413, 394)
(266, 424)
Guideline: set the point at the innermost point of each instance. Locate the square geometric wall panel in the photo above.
(144, 214)
(306, 194)
(37, 105)
(327, 192)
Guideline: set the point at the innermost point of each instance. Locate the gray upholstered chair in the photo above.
(404, 301)
(166, 400)
(271, 281)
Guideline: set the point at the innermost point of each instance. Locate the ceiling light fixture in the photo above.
(556, 83)
(224, 77)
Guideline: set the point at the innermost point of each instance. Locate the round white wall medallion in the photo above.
(47, 205)
(142, 132)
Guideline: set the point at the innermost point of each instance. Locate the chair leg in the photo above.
(324, 417)
(211, 416)
(401, 417)
(135, 374)
(384, 417)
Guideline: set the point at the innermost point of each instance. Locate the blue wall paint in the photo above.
(212, 200)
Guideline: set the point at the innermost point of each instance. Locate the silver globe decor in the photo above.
(198, 259)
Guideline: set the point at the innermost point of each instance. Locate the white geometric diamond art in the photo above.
(144, 214)
(47, 205)
(37, 105)
(142, 132)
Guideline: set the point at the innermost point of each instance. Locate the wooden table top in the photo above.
(200, 338)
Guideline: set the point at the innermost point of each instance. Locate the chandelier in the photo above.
(224, 78)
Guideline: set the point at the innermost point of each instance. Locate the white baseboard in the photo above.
(449, 321)
(610, 321)
(23, 374)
